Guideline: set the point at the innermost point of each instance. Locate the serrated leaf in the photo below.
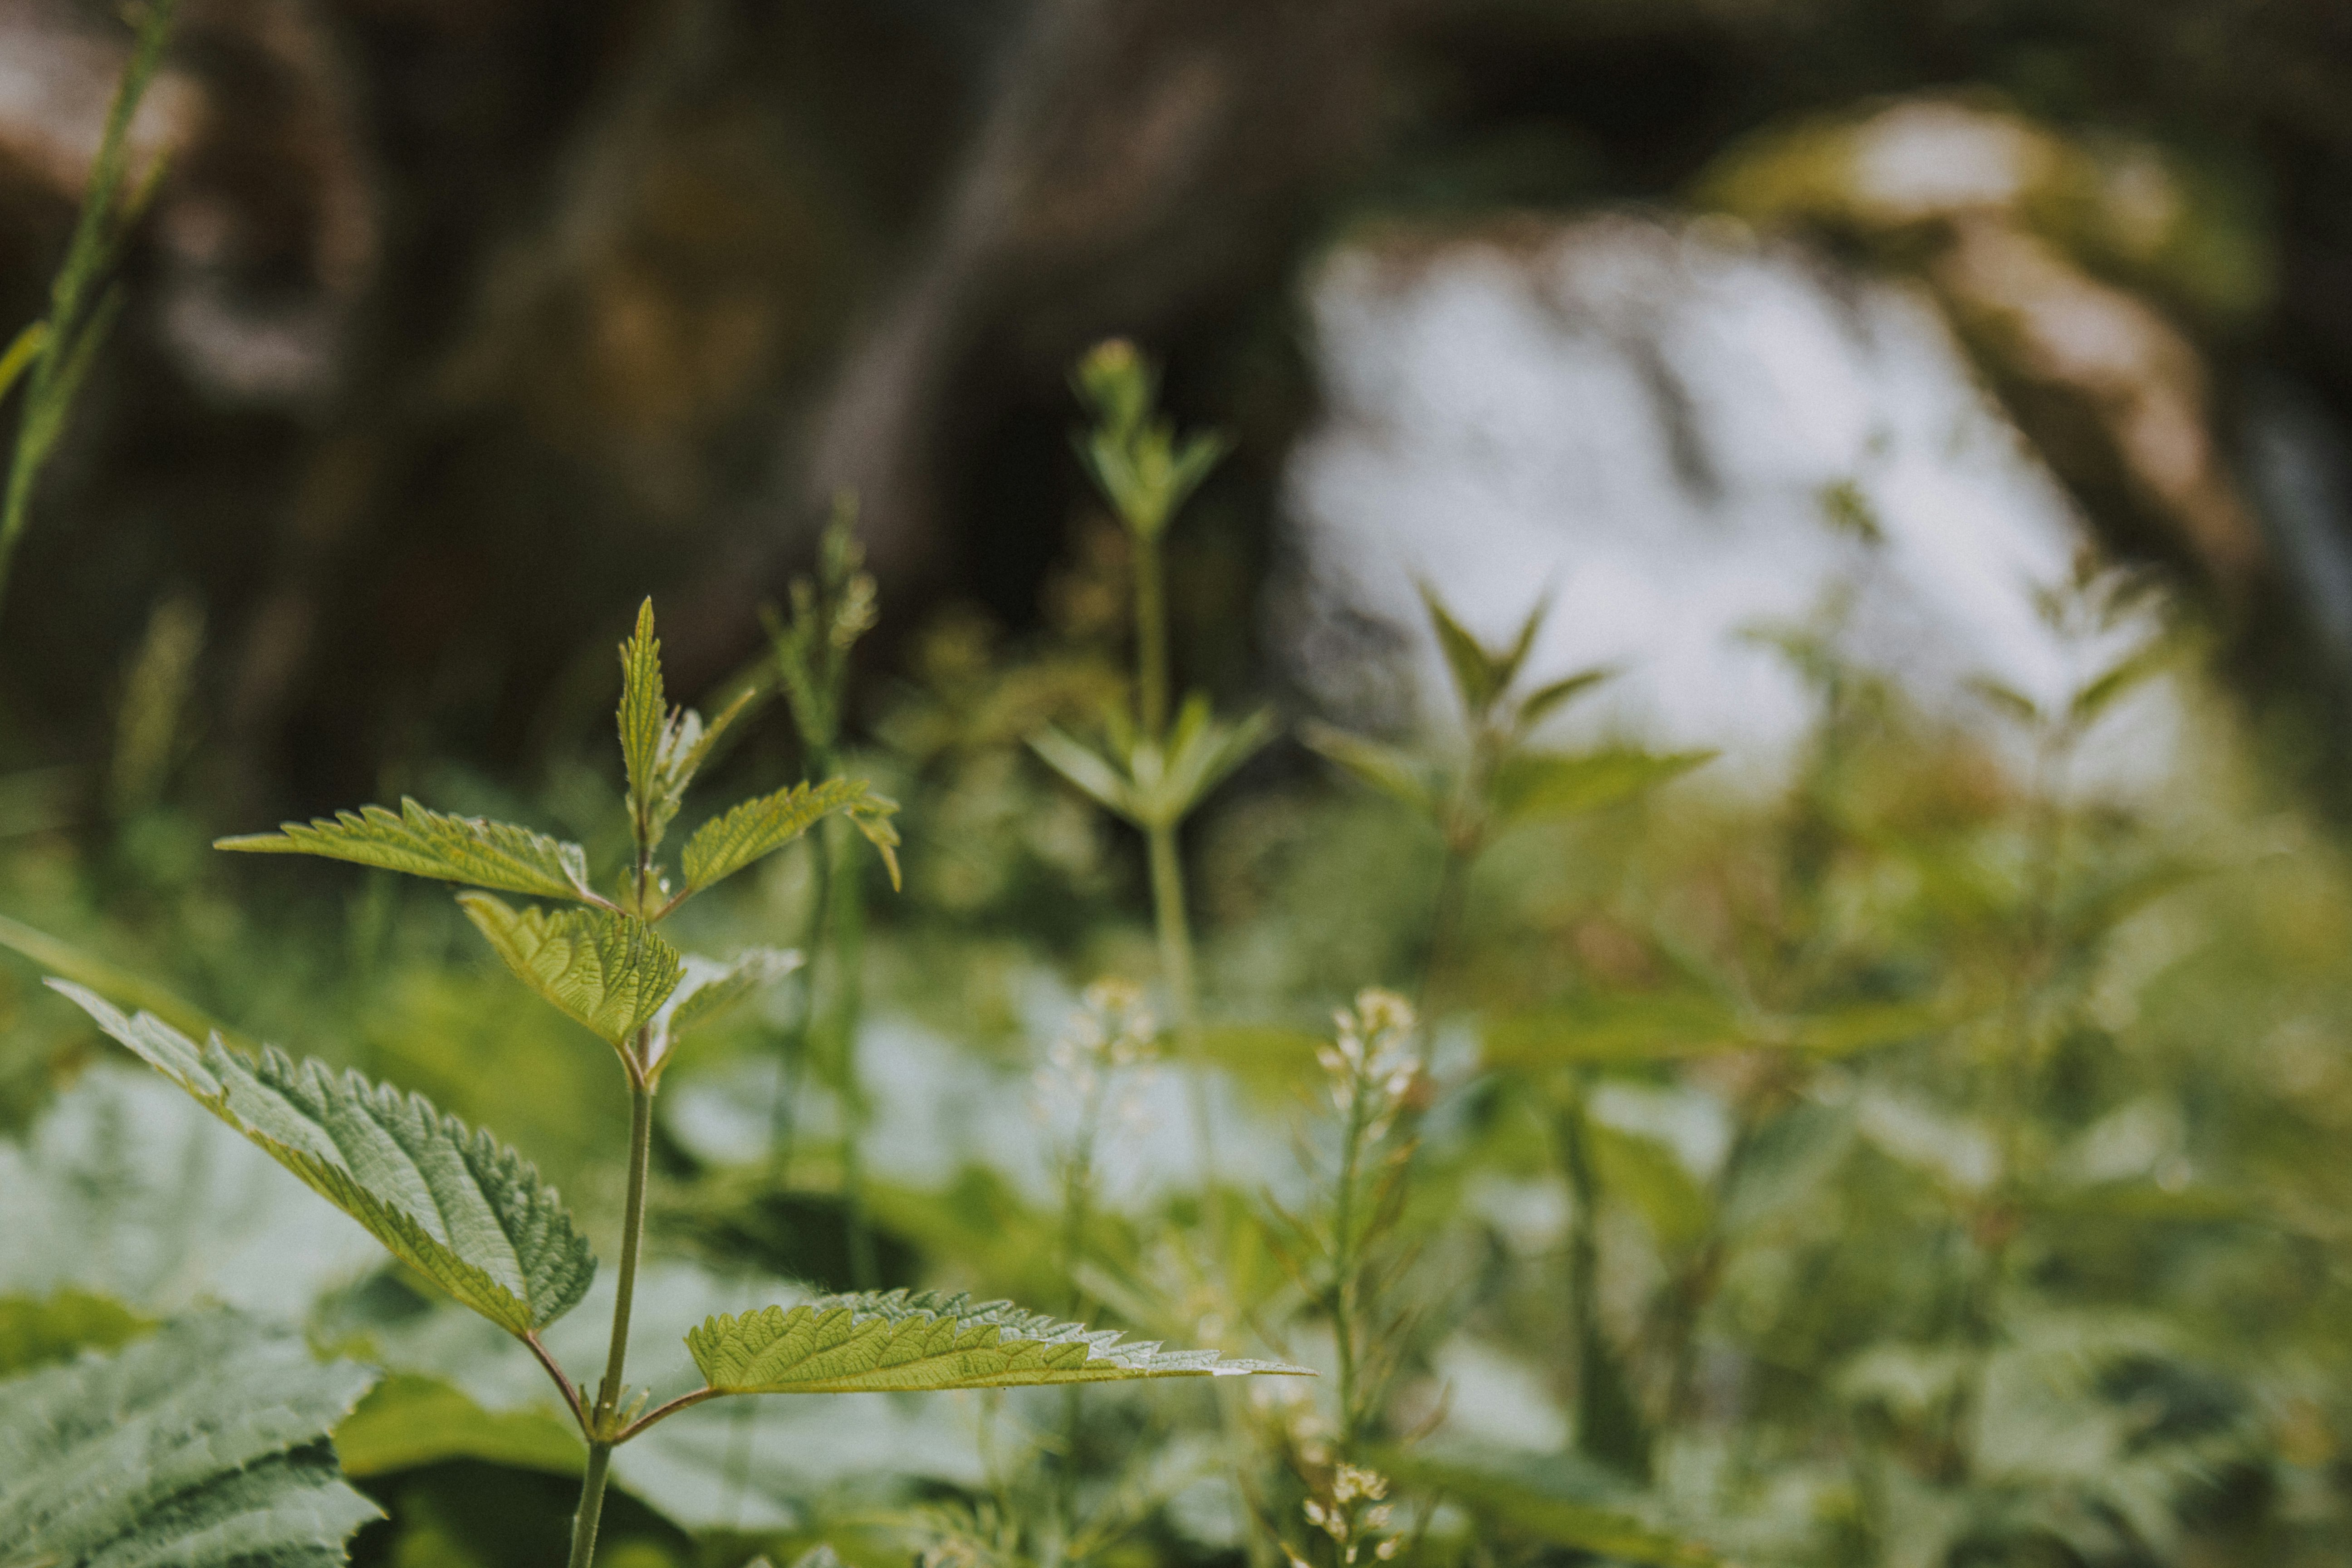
(469, 850)
(1394, 773)
(202, 1447)
(1533, 784)
(1477, 678)
(641, 713)
(411, 1421)
(464, 1210)
(610, 972)
(760, 827)
(902, 1341)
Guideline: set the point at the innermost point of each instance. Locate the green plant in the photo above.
(54, 353)
(1149, 772)
(1500, 781)
(471, 1216)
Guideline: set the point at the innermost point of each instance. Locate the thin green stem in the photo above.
(1453, 892)
(1151, 639)
(592, 1505)
(608, 1393)
(1344, 1293)
(1175, 933)
(74, 327)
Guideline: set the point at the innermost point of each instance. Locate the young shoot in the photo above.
(469, 1213)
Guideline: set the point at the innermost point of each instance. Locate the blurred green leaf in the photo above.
(1533, 784)
(408, 1422)
(60, 957)
(1394, 773)
(1478, 675)
(1529, 1510)
(1652, 1177)
(1546, 700)
(37, 1330)
(1614, 1029)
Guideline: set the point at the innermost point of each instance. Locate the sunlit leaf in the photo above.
(641, 714)
(452, 1203)
(203, 1446)
(709, 990)
(897, 1341)
(759, 827)
(468, 850)
(610, 972)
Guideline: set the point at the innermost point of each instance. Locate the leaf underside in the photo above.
(422, 843)
(724, 845)
(452, 1203)
(609, 972)
(923, 1341)
(203, 1447)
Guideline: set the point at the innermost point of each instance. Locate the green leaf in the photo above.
(1202, 751)
(1396, 773)
(610, 972)
(1477, 675)
(759, 827)
(469, 850)
(897, 1341)
(1546, 700)
(1614, 1030)
(21, 350)
(2007, 700)
(1085, 768)
(452, 1203)
(1532, 784)
(709, 990)
(411, 1421)
(642, 714)
(202, 1447)
(34, 1331)
(1525, 1508)
(2121, 678)
(1650, 1176)
(1507, 666)
(60, 957)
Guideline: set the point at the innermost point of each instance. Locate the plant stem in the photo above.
(1176, 971)
(592, 1505)
(1343, 1269)
(1151, 639)
(1453, 890)
(848, 1002)
(608, 1393)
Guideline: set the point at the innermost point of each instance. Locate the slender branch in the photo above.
(664, 1412)
(570, 1392)
(1150, 638)
(592, 1505)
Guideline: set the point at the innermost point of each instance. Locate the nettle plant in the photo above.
(472, 1215)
